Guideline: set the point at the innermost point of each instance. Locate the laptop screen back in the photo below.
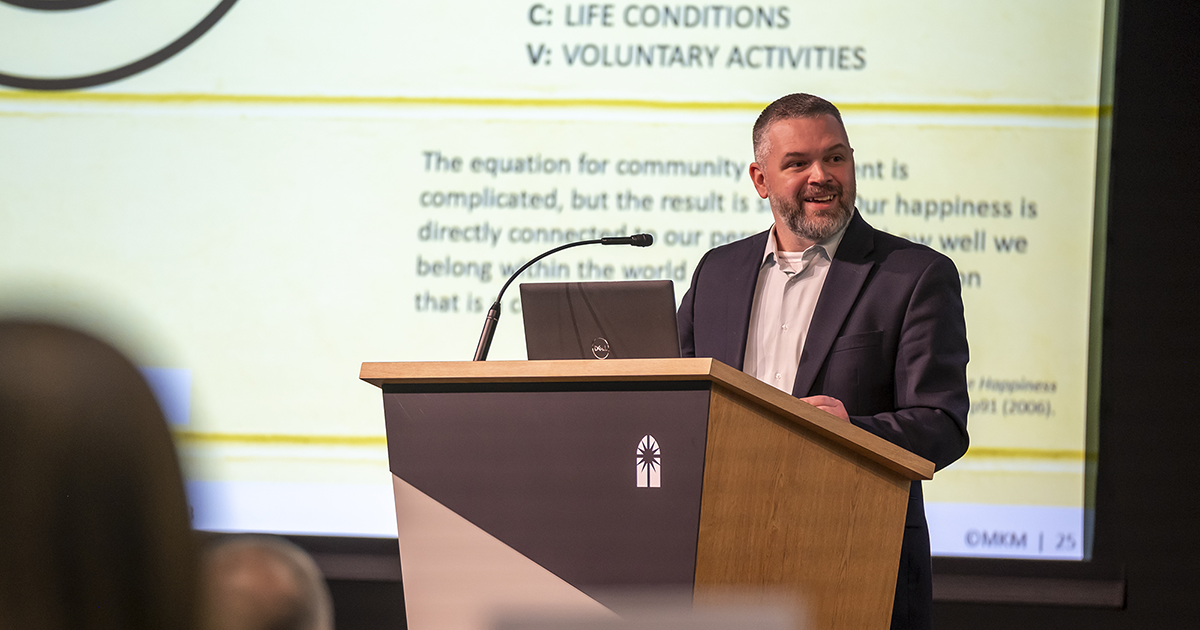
(600, 320)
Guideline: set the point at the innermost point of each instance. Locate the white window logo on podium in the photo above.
(649, 463)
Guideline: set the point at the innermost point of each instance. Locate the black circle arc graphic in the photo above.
(128, 70)
(53, 5)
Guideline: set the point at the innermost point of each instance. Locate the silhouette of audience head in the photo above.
(254, 582)
(94, 525)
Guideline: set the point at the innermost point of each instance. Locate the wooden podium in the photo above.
(547, 485)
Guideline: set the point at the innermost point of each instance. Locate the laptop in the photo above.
(600, 320)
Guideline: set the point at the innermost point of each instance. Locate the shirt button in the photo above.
(778, 376)
(785, 326)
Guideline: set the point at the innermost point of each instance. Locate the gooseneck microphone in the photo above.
(493, 316)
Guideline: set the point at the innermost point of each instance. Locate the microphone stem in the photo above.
(489, 331)
(535, 259)
(493, 316)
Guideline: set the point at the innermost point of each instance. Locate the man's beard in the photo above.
(810, 226)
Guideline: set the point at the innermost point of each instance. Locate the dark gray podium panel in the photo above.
(553, 472)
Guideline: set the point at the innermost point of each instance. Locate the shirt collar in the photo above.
(829, 245)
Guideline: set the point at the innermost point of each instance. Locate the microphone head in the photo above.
(641, 240)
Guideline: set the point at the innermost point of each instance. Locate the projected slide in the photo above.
(256, 197)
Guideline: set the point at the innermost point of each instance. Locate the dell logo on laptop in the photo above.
(600, 348)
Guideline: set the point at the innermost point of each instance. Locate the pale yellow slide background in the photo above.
(251, 205)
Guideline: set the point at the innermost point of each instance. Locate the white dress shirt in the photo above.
(789, 284)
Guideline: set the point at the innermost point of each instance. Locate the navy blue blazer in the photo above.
(887, 338)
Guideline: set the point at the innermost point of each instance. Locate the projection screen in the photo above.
(256, 196)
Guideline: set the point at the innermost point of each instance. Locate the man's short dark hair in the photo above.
(791, 106)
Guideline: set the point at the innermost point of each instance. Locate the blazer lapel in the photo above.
(847, 273)
(741, 299)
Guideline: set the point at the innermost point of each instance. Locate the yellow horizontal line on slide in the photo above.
(1029, 453)
(990, 109)
(280, 439)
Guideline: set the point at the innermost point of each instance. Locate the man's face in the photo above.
(807, 172)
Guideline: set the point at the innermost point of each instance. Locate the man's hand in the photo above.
(829, 404)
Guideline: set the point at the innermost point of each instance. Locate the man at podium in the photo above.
(859, 323)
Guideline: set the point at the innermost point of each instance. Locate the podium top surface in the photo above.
(444, 372)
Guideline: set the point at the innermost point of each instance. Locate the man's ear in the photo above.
(758, 177)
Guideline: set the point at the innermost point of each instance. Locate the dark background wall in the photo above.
(1148, 506)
